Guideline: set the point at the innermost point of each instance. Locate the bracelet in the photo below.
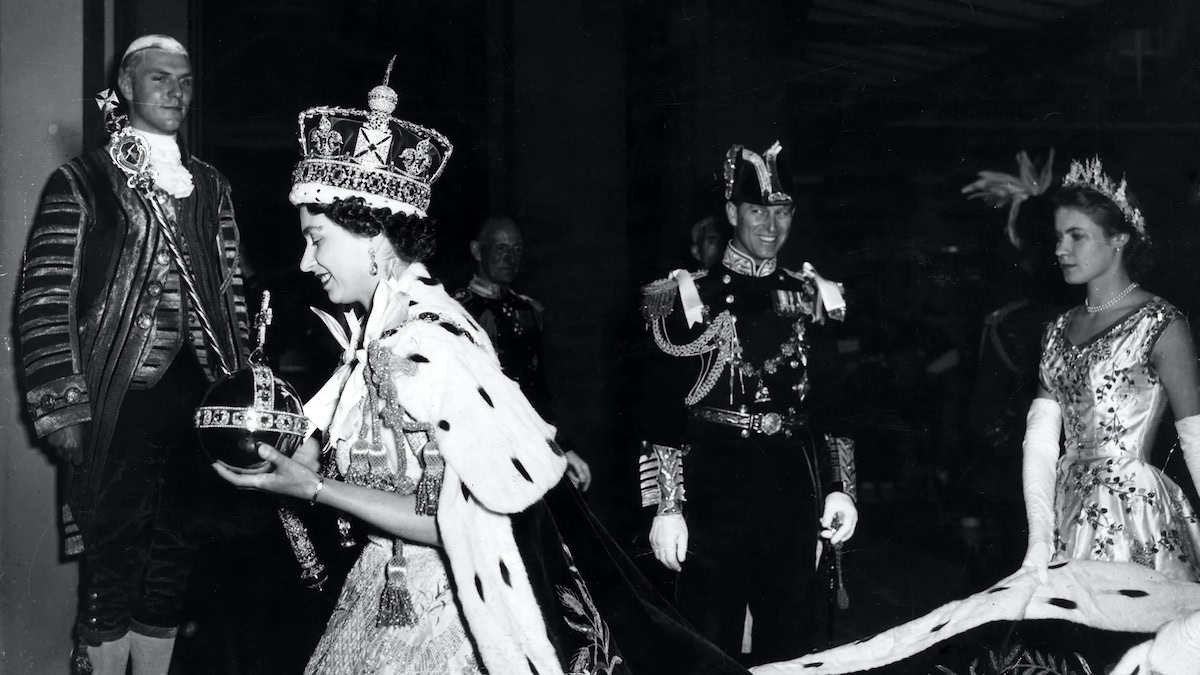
(320, 485)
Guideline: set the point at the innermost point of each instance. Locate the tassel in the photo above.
(395, 602)
(430, 486)
(81, 663)
(72, 537)
(843, 598)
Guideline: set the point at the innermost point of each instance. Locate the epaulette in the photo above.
(658, 297)
(831, 294)
(808, 279)
(537, 306)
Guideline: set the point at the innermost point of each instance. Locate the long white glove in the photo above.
(1174, 651)
(1043, 426)
(669, 539)
(1189, 443)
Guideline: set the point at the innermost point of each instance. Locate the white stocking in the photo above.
(110, 658)
(150, 655)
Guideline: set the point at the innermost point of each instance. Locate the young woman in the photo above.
(1108, 371)
(481, 554)
(1112, 541)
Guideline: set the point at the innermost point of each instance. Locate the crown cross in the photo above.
(373, 147)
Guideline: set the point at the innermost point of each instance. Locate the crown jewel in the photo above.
(388, 162)
(1090, 174)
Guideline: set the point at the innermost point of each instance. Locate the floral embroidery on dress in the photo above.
(1111, 503)
(584, 618)
(1143, 554)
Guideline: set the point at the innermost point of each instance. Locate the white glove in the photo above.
(1189, 443)
(1174, 651)
(1043, 426)
(669, 539)
(839, 509)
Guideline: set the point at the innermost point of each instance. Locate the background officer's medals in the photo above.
(790, 303)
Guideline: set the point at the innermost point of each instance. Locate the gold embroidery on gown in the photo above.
(1110, 502)
(353, 642)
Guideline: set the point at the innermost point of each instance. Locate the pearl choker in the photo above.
(1111, 303)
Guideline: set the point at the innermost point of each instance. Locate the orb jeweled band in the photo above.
(218, 417)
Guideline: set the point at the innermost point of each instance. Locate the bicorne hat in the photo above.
(389, 162)
(757, 179)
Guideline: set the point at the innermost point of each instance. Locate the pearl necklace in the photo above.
(1096, 309)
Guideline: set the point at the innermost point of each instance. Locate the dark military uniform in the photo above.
(513, 322)
(734, 390)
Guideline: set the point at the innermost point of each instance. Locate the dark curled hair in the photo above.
(411, 235)
(1138, 257)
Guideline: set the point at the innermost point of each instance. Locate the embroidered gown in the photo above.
(526, 580)
(1126, 537)
(1110, 502)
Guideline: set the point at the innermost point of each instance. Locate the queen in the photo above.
(481, 555)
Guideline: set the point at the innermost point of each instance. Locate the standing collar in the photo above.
(486, 288)
(743, 264)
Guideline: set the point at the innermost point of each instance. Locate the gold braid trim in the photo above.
(843, 465)
(662, 478)
(718, 337)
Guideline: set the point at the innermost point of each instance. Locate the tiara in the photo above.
(388, 162)
(1090, 174)
(998, 189)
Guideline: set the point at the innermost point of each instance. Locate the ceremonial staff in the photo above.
(131, 154)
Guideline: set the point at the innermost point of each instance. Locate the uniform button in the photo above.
(144, 321)
(726, 279)
(154, 289)
(93, 595)
(729, 299)
(92, 621)
(745, 433)
(163, 258)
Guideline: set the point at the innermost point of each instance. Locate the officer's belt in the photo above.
(767, 424)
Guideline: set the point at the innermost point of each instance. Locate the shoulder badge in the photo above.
(537, 306)
(658, 297)
(830, 294)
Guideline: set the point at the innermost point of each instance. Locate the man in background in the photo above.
(513, 321)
